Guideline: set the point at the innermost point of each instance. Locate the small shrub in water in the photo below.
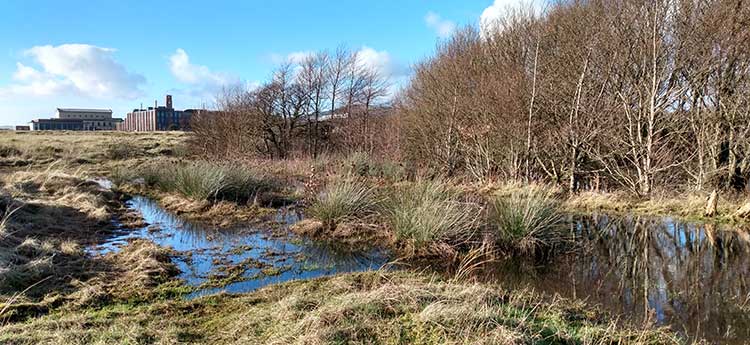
(431, 211)
(342, 200)
(527, 220)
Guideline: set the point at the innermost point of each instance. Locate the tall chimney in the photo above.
(169, 101)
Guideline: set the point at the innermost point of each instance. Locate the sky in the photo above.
(121, 54)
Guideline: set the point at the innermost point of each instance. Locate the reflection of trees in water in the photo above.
(693, 277)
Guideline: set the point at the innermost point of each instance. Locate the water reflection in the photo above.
(209, 248)
(691, 277)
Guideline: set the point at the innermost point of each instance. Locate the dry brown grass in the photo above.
(98, 152)
(361, 308)
(688, 205)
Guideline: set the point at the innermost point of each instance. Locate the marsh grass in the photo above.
(344, 199)
(7, 151)
(528, 220)
(122, 149)
(431, 211)
(360, 308)
(363, 164)
(202, 180)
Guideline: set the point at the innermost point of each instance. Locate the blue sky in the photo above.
(119, 54)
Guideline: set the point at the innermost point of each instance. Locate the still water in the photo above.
(690, 277)
(207, 250)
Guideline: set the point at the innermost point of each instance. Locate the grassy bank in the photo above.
(48, 218)
(220, 193)
(364, 308)
(96, 152)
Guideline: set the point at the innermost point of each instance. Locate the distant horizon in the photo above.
(53, 63)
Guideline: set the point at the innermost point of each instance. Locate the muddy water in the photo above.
(691, 277)
(269, 259)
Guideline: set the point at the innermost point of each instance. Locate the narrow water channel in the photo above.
(691, 277)
(267, 259)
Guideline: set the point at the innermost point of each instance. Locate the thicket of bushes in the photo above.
(636, 95)
(597, 94)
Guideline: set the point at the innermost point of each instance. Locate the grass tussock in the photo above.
(202, 180)
(344, 199)
(122, 149)
(360, 308)
(425, 212)
(7, 151)
(528, 220)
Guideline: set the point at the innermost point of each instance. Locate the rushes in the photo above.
(200, 181)
(342, 200)
(527, 220)
(203, 180)
(431, 211)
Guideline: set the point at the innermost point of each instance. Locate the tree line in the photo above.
(592, 94)
(632, 94)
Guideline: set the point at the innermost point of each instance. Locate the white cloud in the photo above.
(186, 72)
(201, 82)
(79, 69)
(492, 16)
(380, 61)
(442, 27)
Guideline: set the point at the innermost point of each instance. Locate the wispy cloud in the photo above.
(442, 27)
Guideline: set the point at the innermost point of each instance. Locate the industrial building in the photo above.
(71, 119)
(158, 118)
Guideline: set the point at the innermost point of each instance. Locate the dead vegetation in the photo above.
(98, 153)
(361, 308)
(50, 216)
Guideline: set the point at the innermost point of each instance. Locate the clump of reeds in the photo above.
(358, 163)
(528, 220)
(343, 200)
(203, 180)
(426, 212)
